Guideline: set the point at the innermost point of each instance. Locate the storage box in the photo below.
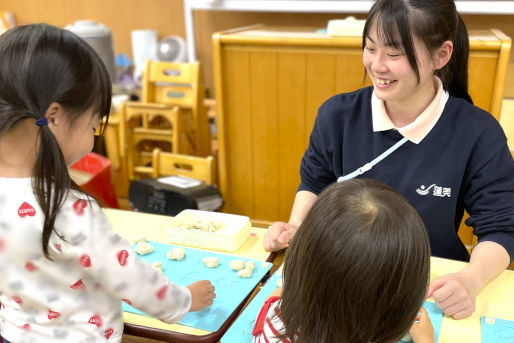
(209, 230)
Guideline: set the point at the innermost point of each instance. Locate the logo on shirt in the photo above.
(436, 190)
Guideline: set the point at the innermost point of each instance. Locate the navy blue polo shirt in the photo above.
(463, 163)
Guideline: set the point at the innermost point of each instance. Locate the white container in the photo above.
(99, 37)
(234, 230)
(144, 46)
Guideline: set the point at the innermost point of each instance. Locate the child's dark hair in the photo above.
(432, 22)
(358, 268)
(41, 64)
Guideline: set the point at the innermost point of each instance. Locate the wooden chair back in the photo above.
(179, 84)
(202, 168)
(139, 138)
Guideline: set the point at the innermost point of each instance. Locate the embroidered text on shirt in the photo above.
(437, 191)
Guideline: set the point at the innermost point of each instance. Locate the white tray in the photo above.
(232, 233)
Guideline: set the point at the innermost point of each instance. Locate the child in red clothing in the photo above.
(357, 271)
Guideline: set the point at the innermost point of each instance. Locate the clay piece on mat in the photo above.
(250, 265)
(139, 238)
(143, 248)
(210, 262)
(406, 338)
(245, 273)
(237, 264)
(176, 254)
(157, 265)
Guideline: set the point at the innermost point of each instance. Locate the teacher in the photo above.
(417, 130)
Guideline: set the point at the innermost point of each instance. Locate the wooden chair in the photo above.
(166, 163)
(179, 84)
(139, 138)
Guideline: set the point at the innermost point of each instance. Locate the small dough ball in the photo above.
(245, 273)
(157, 265)
(140, 238)
(176, 254)
(210, 262)
(250, 265)
(237, 264)
(280, 282)
(143, 248)
(406, 338)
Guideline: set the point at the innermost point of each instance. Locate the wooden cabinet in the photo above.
(269, 83)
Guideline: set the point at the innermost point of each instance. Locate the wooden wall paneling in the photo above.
(238, 133)
(321, 84)
(482, 66)
(121, 16)
(291, 123)
(350, 71)
(264, 148)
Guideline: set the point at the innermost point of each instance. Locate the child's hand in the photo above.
(422, 330)
(202, 293)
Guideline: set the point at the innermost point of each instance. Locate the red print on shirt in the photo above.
(17, 299)
(26, 327)
(108, 333)
(53, 314)
(79, 206)
(127, 301)
(58, 247)
(26, 210)
(85, 261)
(96, 319)
(78, 285)
(161, 292)
(30, 266)
(2, 244)
(122, 257)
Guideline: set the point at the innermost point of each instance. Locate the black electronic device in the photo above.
(155, 196)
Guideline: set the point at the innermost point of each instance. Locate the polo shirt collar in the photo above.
(421, 126)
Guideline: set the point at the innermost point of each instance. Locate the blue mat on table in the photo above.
(230, 291)
(241, 329)
(495, 330)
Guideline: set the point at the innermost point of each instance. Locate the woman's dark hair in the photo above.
(431, 22)
(357, 269)
(41, 64)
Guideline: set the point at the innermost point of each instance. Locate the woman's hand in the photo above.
(202, 293)
(422, 330)
(454, 294)
(278, 236)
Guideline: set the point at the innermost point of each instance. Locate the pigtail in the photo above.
(455, 74)
(50, 183)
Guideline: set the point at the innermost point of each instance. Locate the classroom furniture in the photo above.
(132, 224)
(139, 139)
(269, 83)
(167, 163)
(179, 84)
(314, 6)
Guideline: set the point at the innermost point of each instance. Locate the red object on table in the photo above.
(99, 184)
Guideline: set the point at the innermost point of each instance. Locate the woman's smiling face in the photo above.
(392, 76)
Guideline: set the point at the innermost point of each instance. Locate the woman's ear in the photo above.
(443, 55)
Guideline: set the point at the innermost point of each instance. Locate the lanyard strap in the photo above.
(370, 165)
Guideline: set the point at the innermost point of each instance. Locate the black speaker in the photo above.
(152, 196)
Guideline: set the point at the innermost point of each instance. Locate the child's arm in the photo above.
(422, 330)
(109, 259)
